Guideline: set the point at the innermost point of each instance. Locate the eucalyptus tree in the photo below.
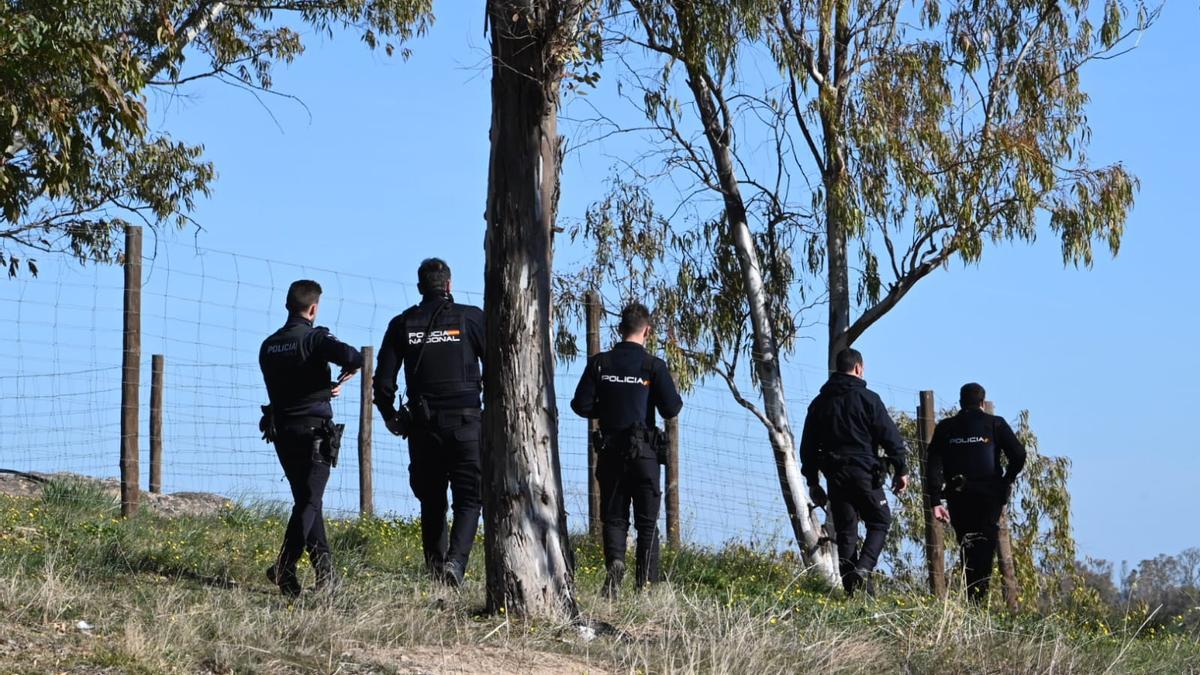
(933, 129)
(78, 159)
(724, 282)
(906, 134)
(530, 562)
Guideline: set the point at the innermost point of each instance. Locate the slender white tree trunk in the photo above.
(806, 527)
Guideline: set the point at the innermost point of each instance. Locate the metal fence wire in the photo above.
(207, 311)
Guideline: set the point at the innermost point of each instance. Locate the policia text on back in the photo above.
(440, 344)
(299, 422)
(622, 388)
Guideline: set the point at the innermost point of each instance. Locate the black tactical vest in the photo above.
(623, 395)
(294, 379)
(971, 446)
(439, 360)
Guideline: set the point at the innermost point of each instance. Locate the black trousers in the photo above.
(447, 454)
(307, 473)
(624, 483)
(975, 517)
(853, 497)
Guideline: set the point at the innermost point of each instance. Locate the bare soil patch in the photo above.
(173, 504)
(459, 659)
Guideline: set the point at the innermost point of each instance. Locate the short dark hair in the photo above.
(847, 359)
(303, 294)
(634, 318)
(433, 276)
(972, 395)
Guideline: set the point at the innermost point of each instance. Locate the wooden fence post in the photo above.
(594, 309)
(156, 422)
(935, 558)
(366, 488)
(672, 491)
(131, 369)
(1008, 570)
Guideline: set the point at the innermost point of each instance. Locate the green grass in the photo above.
(188, 594)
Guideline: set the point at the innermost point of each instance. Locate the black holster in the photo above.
(660, 444)
(995, 488)
(634, 443)
(879, 475)
(266, 424)
(420, 413)
(327, 443)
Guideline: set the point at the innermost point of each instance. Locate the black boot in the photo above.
(452, 574)
(327, 579)
(613, 579)
(859, 578)
(287, 581)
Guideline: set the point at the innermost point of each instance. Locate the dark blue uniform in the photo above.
(295, 366)
(846, 423)
(440, 345)
(622, 389)
(964, 468)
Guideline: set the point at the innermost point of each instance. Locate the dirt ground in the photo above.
(476, 659)
(173, 504)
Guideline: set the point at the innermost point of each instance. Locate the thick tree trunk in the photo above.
(530, 566)
(806, 528)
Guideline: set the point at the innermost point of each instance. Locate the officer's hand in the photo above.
(899, 485)
(940, 514)
(819, 498)
(398, 424)
(346, 375)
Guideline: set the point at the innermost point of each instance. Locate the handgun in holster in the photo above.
(661, 445)
(266, 424)
(327, 443)
(599, 441)
(879, 475)
(422, 415)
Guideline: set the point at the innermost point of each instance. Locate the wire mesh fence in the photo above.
(207, 311)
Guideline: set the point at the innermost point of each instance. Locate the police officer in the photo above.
(846, 423)
(622, 388)
(440, 344)
(964, 468)
(295, 366)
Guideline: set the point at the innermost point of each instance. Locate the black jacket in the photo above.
(451, 371)
(969, 444)
(622, 395)
(846, 422)
(295, 366)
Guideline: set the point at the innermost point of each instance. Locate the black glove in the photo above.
(819, 498)
(400, 423)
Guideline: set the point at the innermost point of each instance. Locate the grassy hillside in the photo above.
(187, 594)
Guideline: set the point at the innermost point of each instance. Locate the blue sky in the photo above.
(391, 168)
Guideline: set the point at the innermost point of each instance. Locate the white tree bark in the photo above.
(806, 527)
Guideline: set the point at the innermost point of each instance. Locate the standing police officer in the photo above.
(440, 344)
(964, 468)
(295, 366)
(622, 388)
(846, 424)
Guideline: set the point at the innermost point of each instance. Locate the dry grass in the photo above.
(186, 595)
